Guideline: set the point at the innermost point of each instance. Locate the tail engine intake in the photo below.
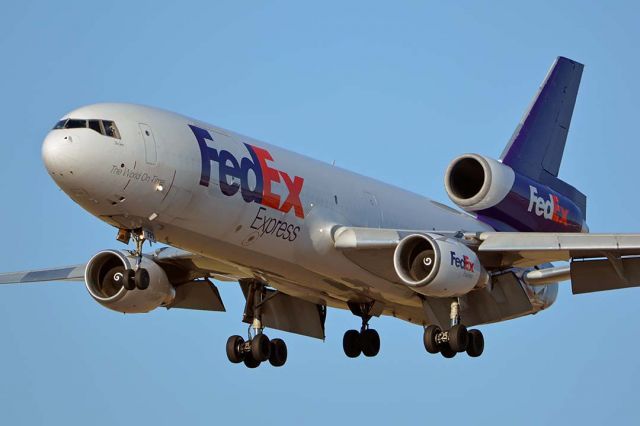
(507, 200)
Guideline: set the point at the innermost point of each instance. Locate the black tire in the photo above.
(260, 347)
(429, 338)
(370, 342)
(142, 279)
(447, 352)
(458, 338)
(250, 362)
(351, 344)
(233, 344)
(129, 282)
(475, 347)
(278, 355)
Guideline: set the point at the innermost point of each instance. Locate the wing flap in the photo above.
(201, 295)
(599, 275)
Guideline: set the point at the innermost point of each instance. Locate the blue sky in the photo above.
(393, 90)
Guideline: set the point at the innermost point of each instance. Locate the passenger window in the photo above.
(60, 124)
(75, 124)
(95, 125)
(110, 129)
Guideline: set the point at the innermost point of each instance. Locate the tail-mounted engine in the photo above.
(105, 277)
(437, 266)
(509, 201)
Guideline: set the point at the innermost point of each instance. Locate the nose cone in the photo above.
(68, 159)
(58, 154)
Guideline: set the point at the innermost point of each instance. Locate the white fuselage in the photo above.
(154, 176)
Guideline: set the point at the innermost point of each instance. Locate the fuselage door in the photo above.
(150, 150)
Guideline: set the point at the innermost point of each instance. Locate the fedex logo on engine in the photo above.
(463, 262)
(549, 209)
(234, 175)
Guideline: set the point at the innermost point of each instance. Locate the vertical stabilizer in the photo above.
(536, 147)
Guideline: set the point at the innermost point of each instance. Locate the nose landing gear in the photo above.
(257, 348)
(455, 340)
(137, 278)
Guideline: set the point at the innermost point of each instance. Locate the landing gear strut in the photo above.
(138, 277)
(367, 340)
(455, 340)
(257, 348)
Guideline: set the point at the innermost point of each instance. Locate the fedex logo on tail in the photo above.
(549, 209)
(234, 175)
(463, 262)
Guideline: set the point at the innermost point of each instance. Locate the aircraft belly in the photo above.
(337, 282)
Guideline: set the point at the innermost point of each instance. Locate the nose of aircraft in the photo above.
(59, 154)
(73, 160)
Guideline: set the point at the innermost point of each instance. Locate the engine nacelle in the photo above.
(510, 201)
(476, 183)
(104, 278)
(436, 266)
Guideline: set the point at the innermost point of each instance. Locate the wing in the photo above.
(69, 273)
(597, 261)
(189, 273)
(182, 269)
(182, 265)
(524, 249)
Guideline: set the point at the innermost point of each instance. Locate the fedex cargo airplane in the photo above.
(299, 235)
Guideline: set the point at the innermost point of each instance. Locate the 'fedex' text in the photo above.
(549, 209)
(234, 175)
(463, 262)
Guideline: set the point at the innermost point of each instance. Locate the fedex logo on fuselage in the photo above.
(463, 262)
(549, 209)
(234, 175)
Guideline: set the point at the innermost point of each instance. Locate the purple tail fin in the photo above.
(536, 147)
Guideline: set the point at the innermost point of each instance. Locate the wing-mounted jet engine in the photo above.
(437, 266)
(170, 281)
(108, 280)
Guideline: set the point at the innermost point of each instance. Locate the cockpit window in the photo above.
(110, 129)
(104, 127)
(95, 125)
(75, 124)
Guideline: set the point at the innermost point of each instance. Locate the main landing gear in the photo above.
(367, 340)
(257, 348)
(137, 278)
(455, 340)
